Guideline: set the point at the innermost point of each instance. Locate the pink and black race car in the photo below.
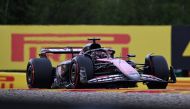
(96, 67)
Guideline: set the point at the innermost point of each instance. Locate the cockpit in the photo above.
(95, 50)
(91, 46)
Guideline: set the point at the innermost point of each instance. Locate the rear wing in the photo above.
(60, 50)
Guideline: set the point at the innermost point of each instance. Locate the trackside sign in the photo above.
(181, 47)
(20, 43)
(12, 80)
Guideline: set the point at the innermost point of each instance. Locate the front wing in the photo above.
(121, 77)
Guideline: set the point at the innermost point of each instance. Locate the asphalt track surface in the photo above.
(94, 99)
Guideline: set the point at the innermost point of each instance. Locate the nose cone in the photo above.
(134, 76)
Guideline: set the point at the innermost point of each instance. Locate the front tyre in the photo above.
(39, 73)
(157, 66)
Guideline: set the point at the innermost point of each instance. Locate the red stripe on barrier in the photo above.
(11, 86)
(2, 85)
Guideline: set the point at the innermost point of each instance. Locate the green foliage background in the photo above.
(107, 12)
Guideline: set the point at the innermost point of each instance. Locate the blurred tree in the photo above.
(111, 12)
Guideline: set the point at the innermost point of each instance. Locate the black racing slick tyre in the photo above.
(81, 70)
(157, 66)
(39, 73)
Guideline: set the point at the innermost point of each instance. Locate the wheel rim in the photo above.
(30, 73)
(73, 74)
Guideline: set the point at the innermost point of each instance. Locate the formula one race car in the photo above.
(96, 67)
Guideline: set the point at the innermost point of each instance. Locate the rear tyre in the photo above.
(157, 67)
(80, 72)
(39, 73)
